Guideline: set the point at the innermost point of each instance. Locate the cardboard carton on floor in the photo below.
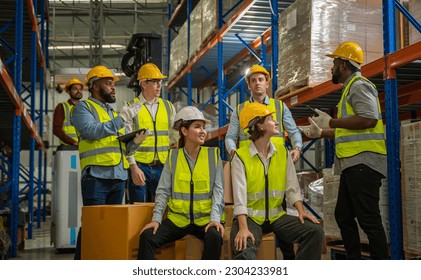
(228, 197)
(111, 232)
(194, 247)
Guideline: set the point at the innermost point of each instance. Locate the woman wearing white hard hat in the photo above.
(191, 188)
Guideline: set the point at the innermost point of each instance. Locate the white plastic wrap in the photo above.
(411, 186)
(309, 29)
(178, 56)
(414, 7)
(315, 196)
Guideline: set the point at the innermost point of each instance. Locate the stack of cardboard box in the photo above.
(414, 7)
(411, 186)
(331, 187)
(309, 29)
(111, 232)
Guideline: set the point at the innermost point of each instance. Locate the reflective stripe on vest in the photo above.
(191, 195)
(349, 142)
(160, 141)
(67, 127)
(274, 105)
(265, 193)
(107, 151)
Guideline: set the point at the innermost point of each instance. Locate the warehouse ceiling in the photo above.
(71, 26)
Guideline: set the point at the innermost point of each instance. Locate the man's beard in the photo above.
(335, 79)
(106, 96)
(77, 96)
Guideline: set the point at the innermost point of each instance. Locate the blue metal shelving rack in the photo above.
(22, 57)
(218, 51)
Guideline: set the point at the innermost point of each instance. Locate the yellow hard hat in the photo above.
(99, 72)
(350, 51)
(256, 68)
(252, 113)
(189, 113)
(73, 81)
(150, 71)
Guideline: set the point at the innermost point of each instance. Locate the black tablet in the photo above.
(129, 136)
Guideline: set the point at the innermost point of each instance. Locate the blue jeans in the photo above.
(96, 191)
(146, 193)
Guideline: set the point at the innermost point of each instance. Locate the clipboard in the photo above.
(129, 136)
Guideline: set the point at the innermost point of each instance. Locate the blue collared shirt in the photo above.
(288, 122)
(89, 128)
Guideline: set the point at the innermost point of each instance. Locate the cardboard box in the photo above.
(309, 29)
(166, 252)
(229, 215)
(194, 247)
(228, 197)
(111, 232)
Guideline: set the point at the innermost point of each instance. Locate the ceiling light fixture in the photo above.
(86, 47)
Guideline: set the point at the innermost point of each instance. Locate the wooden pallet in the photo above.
(411, 254)
(337, 249)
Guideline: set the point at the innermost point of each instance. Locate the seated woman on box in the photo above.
(261, 175)
(191, 186)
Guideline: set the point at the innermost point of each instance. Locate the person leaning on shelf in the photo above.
(360, 152)
(157, 115)
(263, 174)
(191, 188)
(102, 157)
(62, 128)
(258, 79)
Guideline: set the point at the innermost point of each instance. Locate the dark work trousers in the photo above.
(358, 197)
(288, 229)
(96, 191)
(168, 232)
(287, 248)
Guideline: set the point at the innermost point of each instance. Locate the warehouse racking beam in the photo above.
(23, 55)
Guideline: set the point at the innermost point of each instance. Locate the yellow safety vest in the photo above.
(350, 142)
(191, 193)
(160, 128)
(278, 140)
(107, 151)
(67, 127)
(265, 192)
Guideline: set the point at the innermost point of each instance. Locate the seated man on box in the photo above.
(259, 186)
(191, 188)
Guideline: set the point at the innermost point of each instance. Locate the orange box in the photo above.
(194, 247)
(111, 232)
(166, 252)
(228, 197)
(229, 215)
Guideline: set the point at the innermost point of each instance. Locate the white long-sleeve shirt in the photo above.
(239, 183)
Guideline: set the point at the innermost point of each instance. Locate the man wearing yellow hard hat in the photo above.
(62, 128)
(157, 115)
(102, 156)
(360, 152)
(258, 79)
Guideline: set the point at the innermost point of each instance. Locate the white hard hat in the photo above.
(188, 113)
